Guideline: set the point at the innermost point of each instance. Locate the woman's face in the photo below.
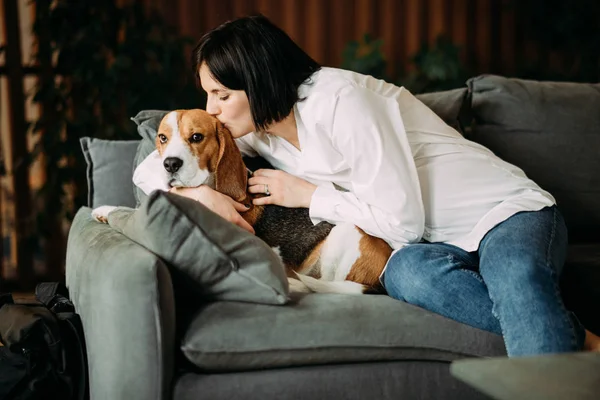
(231, 107)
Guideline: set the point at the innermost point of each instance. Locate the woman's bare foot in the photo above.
(592, 342)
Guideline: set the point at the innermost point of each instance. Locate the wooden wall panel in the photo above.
(390, 32)
(482, 34)
(316, 37)
(342, 17)
(459, 27)
(438, 9)
(489, 32)
(411, 21)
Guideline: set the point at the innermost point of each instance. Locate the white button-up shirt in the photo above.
(385, 162)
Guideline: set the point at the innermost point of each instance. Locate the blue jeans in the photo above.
(509, 286)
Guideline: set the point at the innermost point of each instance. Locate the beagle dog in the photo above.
(196, 149)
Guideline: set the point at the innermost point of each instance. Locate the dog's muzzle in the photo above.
(172, 164)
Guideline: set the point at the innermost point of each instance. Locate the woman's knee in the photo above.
(408, 274)
(526, 244)
(519, 274)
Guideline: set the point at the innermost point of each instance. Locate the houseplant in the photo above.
(100, 63)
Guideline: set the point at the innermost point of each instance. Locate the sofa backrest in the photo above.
(552, 131)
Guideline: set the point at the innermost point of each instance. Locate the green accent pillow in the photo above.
(147, 122)
(226, 262)
(109, 171)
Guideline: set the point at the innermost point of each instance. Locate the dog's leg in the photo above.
(322, 286)
(339, 252)
(100, 214)
(297, 286)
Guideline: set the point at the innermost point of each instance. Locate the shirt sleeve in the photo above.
(385, 199)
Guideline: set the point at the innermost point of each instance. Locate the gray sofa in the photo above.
(150, 337)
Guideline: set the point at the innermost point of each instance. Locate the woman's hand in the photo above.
(218, 203)
(282, 188)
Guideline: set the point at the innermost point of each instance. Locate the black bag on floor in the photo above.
(44, 348)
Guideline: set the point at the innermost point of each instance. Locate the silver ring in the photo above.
(267, 190)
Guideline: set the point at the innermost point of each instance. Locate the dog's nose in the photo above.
(172, 164)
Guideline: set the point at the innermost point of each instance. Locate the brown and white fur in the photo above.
(197, 149)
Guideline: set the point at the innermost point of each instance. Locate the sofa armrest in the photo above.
(124, 296)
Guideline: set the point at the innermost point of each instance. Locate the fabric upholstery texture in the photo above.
(124, 296)
(547, 129)
(109, 171)
(423, 380)
(448, 105)
(226, 262)
(327, 328)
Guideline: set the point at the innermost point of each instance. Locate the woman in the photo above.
(474, 238)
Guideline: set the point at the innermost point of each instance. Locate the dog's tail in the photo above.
(310, 284)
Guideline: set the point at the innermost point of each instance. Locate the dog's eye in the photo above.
(196, 137)
(163, 139)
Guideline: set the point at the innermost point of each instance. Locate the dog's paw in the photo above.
(100, 214)
(297, 286)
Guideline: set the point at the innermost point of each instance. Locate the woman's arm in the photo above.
(218, 203)
(385, 200)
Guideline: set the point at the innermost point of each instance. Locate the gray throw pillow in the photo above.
(147, 122)
(109, 173)
(449, 105)
(226, 262)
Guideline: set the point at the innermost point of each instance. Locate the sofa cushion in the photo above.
(147, 122)
(109, 171)
(223, 260)
(392, 380)
(552, 131)
(449, 105)
(325, 329)
(124, 295)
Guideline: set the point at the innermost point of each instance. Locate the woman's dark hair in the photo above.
(254, 55)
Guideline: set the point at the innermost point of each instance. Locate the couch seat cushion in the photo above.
(324, 329)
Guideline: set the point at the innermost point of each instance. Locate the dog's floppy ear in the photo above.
(230, 175)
